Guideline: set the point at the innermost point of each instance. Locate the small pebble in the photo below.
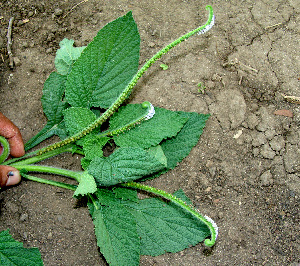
(49, 235)
(30, 14)
(151, 44)
(17, 61)
(23, 217)
(58, 12)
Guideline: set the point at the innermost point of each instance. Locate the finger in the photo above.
(12, 133)
(9, 176)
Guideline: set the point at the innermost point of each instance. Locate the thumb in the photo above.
(9, 176)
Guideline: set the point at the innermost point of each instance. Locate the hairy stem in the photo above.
(127, 91)
(5, 149)
(42, 157)
(50, 170)
(206, 220)
(49, 182)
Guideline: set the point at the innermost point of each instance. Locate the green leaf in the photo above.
(158, 153)
(115, 229)
(93, 147)
(86, 185)
(125, 194)
(125, 164)
(77, 118)
(12, 252)
(53, 106)
(178, 147)
(125, 115)
(164, 227)
(106, 65)
(164, 124)
(66, 56)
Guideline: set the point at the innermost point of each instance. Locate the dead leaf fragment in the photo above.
(284, 112)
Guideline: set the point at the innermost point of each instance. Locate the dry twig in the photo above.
(9, 42)
(75, 7)
(292, 99)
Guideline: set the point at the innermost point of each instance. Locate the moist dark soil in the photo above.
(245, 170)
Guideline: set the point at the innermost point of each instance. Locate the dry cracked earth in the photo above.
(245, 170)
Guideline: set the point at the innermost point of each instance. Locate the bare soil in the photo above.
(245, 170)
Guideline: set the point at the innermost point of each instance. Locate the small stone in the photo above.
(277, 143)
(266, 179)
(23, 217)
(58, 12)
(30, 14)
(267, 152)
(20, 23)
(25, 44)
(59, 218)
(151, 44)
(17, 61)
(50, 235)
(49, 50)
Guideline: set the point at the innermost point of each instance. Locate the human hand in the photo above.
(10, 175)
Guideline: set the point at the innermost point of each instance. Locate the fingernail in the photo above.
(10, 173)
(13, 178)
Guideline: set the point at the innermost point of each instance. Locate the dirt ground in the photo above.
(245, 170)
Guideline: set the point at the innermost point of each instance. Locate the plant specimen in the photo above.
(91, 86)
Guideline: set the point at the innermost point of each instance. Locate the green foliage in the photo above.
(66, 56)
(86, 185)
(125, 164)
(115, 229)
(12, 252)
(148, 227)
(97, 78)
(181, 145)
(53, 106)
(164, 124)
(164, 66)
(106, 65)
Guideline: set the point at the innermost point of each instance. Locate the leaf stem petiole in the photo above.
(50, 170)
(49, 182)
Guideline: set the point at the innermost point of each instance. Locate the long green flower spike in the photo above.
(205, 219)
(125, 94)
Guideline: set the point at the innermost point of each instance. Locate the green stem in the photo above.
(42, 157)
(125, 94)
(5, 149)
(206, 220)
(49, 182)
(50, 170)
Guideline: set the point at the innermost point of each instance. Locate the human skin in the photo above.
(9, 175)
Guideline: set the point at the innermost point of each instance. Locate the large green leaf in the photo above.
(165, 227)
(53, 105)
(125, 164)
(115, 229)
(66, 56)
(12, 252)
(105, 66)
(178, 147)
(164, 124)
